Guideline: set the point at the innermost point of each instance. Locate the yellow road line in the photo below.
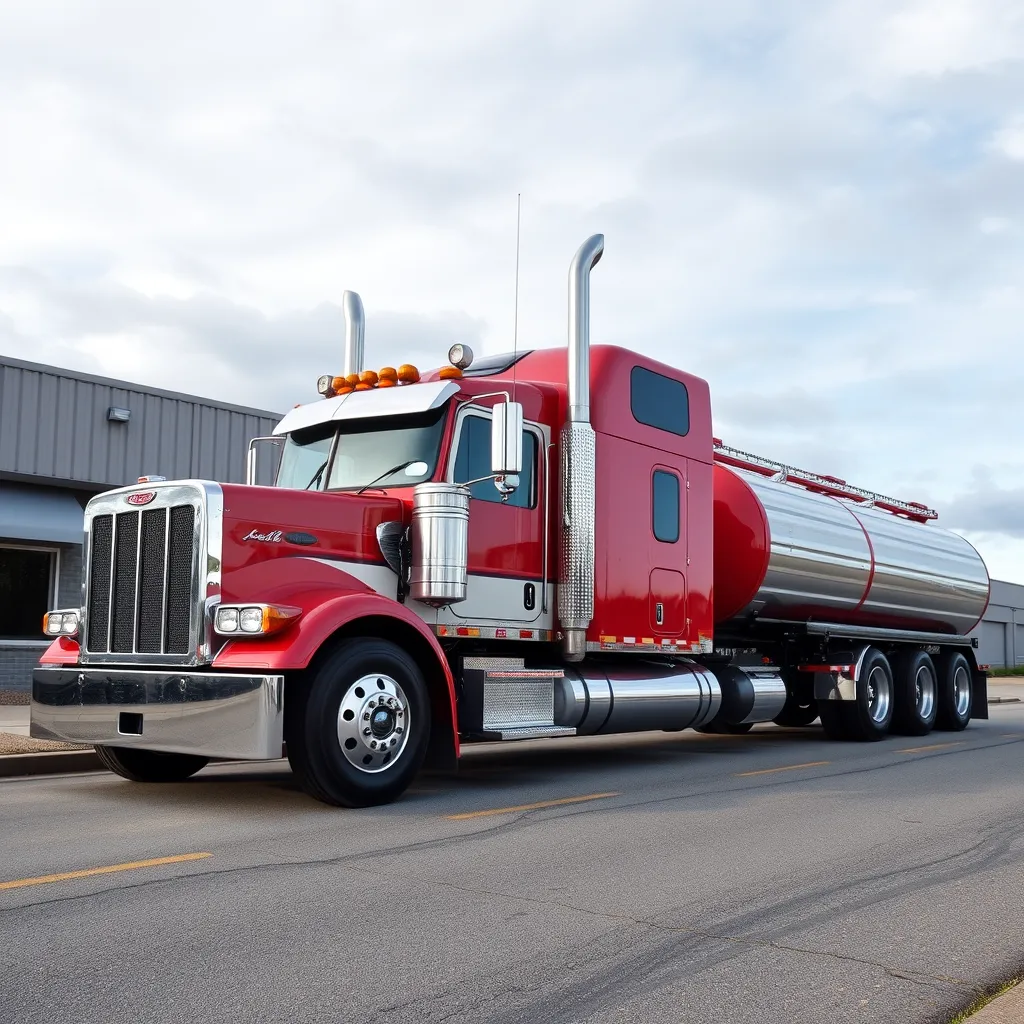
(930, 746)
(110, 869)
(785, 768)
(529, 807)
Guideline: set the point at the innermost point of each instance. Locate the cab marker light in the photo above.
(63, 622)
(253, 619)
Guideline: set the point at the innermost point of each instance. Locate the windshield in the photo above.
(396, 452)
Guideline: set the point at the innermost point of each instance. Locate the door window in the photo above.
(473, 460)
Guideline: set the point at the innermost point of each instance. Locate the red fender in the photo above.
(63, 651)
(295, 647)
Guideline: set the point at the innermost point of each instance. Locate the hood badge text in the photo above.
(274, 537)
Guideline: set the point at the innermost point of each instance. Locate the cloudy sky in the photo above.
(818, 206)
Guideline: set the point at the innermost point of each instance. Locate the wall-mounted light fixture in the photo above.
(116, 415)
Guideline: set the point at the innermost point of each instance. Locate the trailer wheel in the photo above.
(149, 765)
(915, 691)
(955, 696)
(867, 718)
(358, 734)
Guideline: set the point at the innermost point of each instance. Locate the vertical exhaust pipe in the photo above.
(355, 330)
(578, 465)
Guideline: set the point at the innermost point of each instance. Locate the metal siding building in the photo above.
(65, 436)
(1001, 633)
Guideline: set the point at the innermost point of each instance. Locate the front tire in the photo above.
(359, 732)
(149, 765)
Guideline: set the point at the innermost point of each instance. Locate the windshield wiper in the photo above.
(384, 476)
(317, 475)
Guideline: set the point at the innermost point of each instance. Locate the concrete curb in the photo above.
(1005, 1009)
(51, 762)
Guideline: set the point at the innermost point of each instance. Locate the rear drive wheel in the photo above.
(915, 703)
(149, 765)
(867, 717)
(833, 718)
(358, 734)
(955, 695)
(726, 728)
(800, 708)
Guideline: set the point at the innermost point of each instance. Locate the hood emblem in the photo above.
(141, 498)
(274, 537)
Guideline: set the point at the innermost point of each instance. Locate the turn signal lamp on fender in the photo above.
(63, 622)
(253, 619)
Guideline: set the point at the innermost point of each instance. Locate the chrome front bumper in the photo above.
(208, 713)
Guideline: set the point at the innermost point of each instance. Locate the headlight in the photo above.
(253, 619)
(62, 622)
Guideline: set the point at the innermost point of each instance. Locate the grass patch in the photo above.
(983, 1001)
(1017, 670)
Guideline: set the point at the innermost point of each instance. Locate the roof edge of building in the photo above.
(125, 385)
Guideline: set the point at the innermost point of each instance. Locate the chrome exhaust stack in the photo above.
(355, 331)
(578, 465)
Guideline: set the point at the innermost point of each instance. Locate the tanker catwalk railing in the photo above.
(830, 485)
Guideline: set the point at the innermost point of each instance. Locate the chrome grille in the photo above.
(141, 582)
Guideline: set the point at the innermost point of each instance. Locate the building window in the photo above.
(665, 506)
(473, 460)
(27, 580)
(659, 401)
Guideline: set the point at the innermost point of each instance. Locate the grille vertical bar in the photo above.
(179, 587)
(101, 559)
(126, 550)
(151, 580)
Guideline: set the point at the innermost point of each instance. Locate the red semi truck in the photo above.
(546, 543)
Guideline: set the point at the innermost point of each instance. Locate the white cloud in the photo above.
(816, 208)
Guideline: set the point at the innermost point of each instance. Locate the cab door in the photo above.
(506, 538)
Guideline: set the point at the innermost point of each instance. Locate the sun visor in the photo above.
(400, 401)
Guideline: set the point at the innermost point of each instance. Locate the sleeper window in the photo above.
(665, 506)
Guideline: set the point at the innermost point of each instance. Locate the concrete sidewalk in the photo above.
(14, 719)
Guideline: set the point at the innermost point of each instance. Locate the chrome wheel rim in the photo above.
(879, 695)
(961, 691)
(373, 723)
(924, 684)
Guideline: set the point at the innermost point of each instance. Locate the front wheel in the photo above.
(148, 765)
(358, 734)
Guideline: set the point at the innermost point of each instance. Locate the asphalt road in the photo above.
(705, 880)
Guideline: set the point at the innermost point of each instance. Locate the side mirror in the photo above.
(250, 460)
(507, 445)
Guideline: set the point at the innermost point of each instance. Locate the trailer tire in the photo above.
(359, 728)
(150, 765)
(955, 692)
(915, 693)
(867, 718)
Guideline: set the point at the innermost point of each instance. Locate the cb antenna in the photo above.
(515, 314)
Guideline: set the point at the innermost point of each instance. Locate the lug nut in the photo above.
(400, 712)
(366, 731)
(373, 744)
(366, 716)
(399, 731)
(393, 741)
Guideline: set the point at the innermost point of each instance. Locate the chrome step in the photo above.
(531, 732)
